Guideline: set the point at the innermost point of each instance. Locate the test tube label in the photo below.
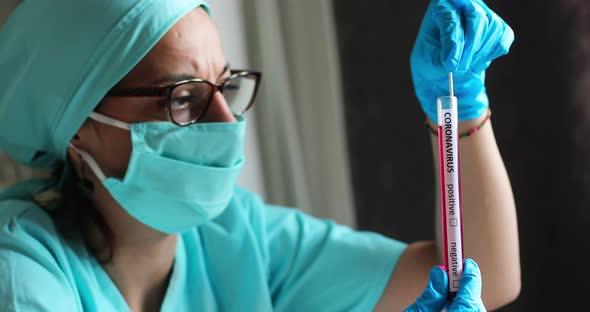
(450, 191)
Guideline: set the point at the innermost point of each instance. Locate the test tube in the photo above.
(450, 188)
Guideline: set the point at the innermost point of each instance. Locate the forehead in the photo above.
(191, 47)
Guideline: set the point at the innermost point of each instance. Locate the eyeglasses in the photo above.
(187, 101)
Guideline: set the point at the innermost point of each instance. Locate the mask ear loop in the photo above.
(89, 159)
(109, 121)
(91, 162)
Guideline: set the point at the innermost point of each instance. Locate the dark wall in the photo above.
(389, 145)
(540, 98)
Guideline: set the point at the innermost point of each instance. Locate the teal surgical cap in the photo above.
(58, 58)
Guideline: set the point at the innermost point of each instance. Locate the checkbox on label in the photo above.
(454, 222)
(455, 284)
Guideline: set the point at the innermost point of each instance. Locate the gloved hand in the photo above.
(462, 36)
(434, 298)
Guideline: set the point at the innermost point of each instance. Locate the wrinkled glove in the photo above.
(462, 36)
(434, 297)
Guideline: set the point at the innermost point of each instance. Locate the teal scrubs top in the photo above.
(253, 257)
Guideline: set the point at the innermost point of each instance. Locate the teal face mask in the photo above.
(177, 177)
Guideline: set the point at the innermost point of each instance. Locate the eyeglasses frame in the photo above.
(167, 90)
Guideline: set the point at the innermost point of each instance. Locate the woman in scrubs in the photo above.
(134, 107)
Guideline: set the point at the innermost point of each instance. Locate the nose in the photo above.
(218, 110)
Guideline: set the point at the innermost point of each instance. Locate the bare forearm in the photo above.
(489, 217)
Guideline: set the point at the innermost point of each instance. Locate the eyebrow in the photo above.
(171, 78)
(179, 77)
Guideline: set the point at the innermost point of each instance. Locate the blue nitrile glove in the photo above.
(434, 297)
(462, 36)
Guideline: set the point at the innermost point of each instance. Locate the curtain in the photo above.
(299, 110)
(229, 18)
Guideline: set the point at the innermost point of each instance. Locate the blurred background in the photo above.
(338, 132)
